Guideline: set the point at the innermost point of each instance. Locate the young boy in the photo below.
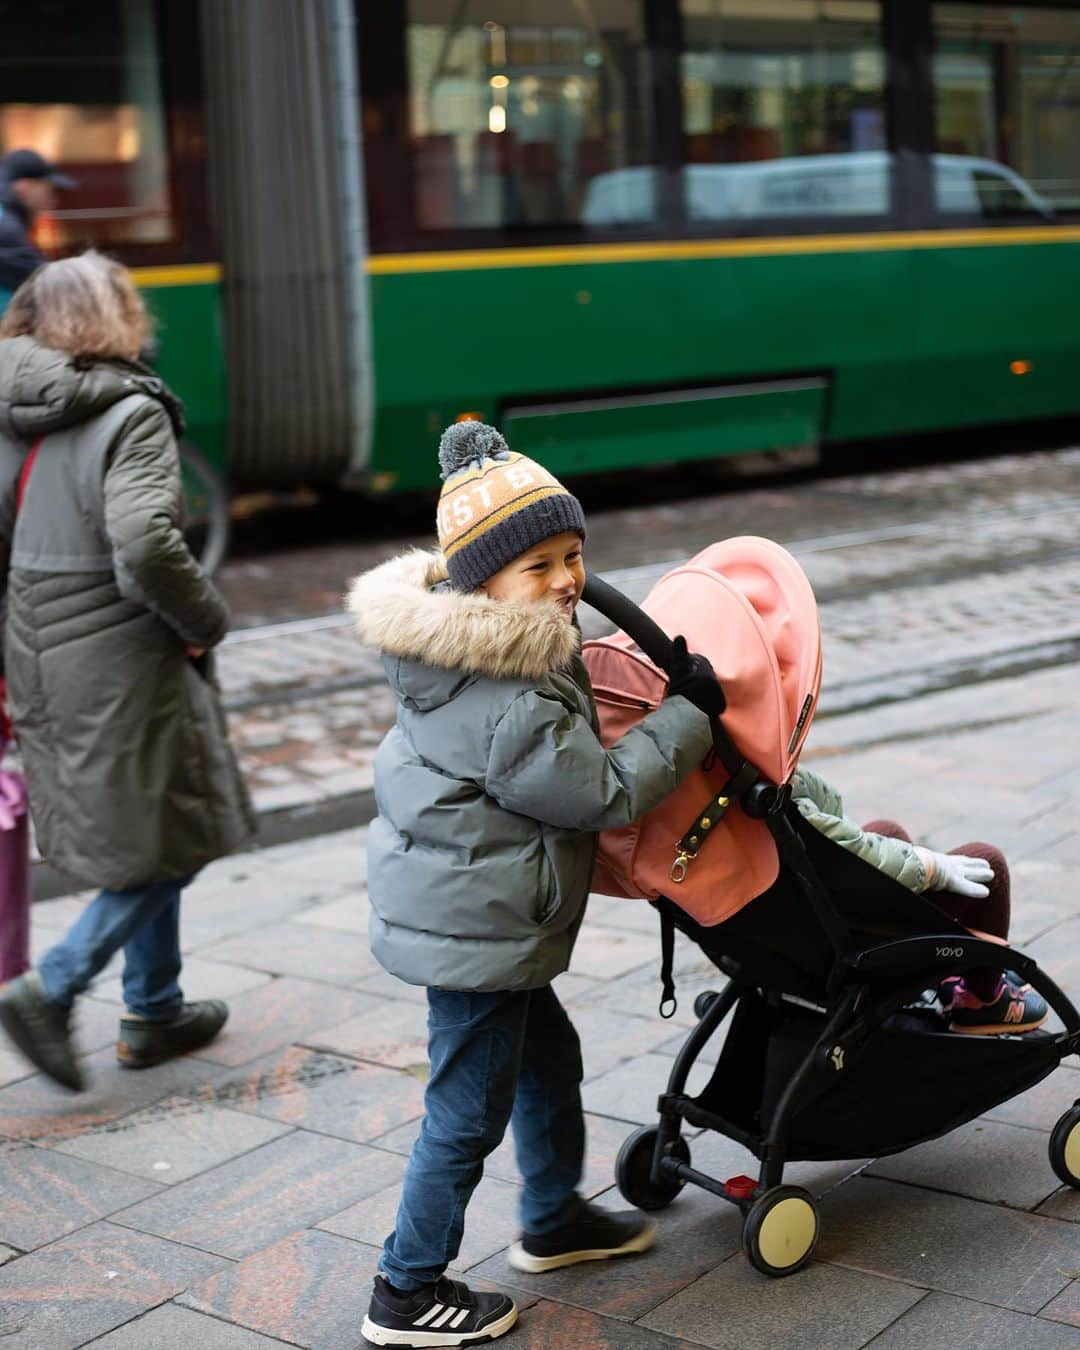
(491, 788)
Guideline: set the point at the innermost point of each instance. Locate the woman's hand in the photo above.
(196, 652)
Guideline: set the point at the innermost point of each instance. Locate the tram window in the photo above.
(1006, 106)
(783, 109)
(81, 84)
(516, 107)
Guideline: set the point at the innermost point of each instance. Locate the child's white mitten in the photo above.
(956, 872)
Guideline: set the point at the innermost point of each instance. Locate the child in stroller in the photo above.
(973, 881)
(824, 930)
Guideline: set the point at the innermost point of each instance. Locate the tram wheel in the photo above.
(206, 508)
(634, 1165)
(1065, 1147)
(781, 1230)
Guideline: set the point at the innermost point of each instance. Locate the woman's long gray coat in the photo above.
(123, 740)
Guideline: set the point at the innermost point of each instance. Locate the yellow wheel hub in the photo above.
(787, 1231)
(1072, 1151)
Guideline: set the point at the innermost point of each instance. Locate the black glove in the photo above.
(693, 677)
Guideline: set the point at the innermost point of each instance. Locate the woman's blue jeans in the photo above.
(146, 924)
(495, 1058)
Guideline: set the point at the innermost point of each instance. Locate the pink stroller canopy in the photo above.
(747, 605)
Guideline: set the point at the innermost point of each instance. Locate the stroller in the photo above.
(833, 1050)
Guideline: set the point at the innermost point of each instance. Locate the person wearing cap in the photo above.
(28, 184)
(491, 788)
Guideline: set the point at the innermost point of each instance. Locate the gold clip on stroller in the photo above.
(832, 1050)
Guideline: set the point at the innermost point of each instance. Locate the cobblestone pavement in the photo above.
(237, 1199)
(926, 579)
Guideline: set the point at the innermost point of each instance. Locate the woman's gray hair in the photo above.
(87, 306)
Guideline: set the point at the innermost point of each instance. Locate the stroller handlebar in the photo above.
(624, 614)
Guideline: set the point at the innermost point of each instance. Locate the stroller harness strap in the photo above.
(686, 850)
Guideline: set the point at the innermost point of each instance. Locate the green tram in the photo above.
(627, 231)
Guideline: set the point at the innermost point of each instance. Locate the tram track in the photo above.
(907, 608)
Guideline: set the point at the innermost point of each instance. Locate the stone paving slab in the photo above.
(734, 1305)
(169, 1327)
(1041, 1107)
(308, 952)
(939, 1319)
(1066, 1308)
(311, 1289)
(326, 1093)
(694, 1236)
(44, 1195)
(491, 1221)
(275, 1015)
(202, 979)
(958, 1246)
(172, 1140)
(984, 1160)
(391, 1034)
(37, 1110)
(65, 1294)
(603, 1139)
(252, 1201)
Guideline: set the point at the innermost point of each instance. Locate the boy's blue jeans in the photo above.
(494, 1058)
(146, 923)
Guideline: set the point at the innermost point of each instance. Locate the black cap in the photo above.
(29, 164)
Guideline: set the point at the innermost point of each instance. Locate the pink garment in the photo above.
(747, 605)
(14, 874)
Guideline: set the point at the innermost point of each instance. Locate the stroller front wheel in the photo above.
(633, 1170)
(781, 1230)
(1065, 1147)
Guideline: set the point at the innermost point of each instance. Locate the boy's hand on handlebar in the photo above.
(692, 676)
(958, 873)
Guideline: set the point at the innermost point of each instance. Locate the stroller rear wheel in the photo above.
(633, 1169)
(781, 1230)
(1065, 1147)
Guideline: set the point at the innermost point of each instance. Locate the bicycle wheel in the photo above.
(206, 509)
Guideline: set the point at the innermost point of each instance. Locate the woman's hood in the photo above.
(401, 608)
(44, 390)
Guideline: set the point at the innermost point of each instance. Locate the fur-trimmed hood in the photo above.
(401, 608)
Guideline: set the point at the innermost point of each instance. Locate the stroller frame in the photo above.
(857, 1000)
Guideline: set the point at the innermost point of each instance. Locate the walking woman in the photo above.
(108, 625)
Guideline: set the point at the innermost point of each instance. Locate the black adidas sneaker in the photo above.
(445, 1313)
(593, 1235)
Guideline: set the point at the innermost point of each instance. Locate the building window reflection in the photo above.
(82, 85)
(783, 108)
(1007, 110)
(512, 116)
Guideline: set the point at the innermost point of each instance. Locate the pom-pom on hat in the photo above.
(495, 504)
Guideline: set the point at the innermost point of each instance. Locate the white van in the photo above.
(809, 186)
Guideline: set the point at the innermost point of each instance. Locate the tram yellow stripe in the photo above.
(466, 260)
(180, 274)
(670, 250)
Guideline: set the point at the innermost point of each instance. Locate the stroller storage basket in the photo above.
(909, 1078)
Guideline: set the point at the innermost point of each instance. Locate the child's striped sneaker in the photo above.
(1015, 1007)
(445, 1313)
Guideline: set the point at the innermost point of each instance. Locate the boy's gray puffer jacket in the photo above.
(123, 740)
(493, 783)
